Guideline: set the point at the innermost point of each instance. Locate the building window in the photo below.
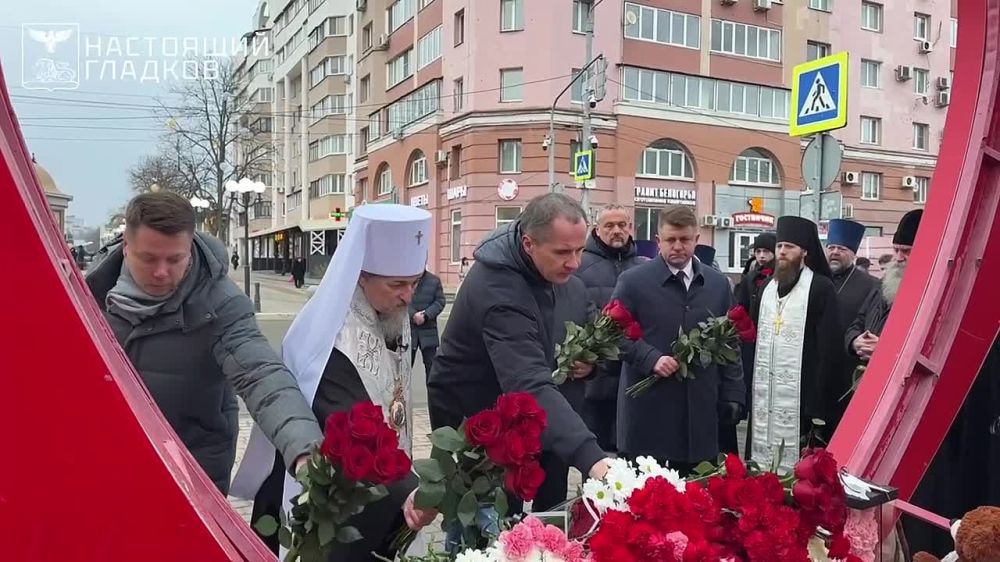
(421, 4)
(330, 66)
(331, 105)
(510, 156)
(871, 74)
(816, 50)
(418, 169)
(455, 162)
(375, 125)
(385, 181)
(366, 37)
(920, 190)
(576, 90)
(507, 215)
(646, 223)
(459, 27)
(330, 184)
(954, 33)
(415, 105)
(871, 16)
(921, 81)
(746, 40)
(400, 12)
(429, 48)
(871, 186)
(680, 90)
(579, 17)
(329, 145)
(921, 136)
(662, 26)
(512, 84)
(871, 130)
(665, 159)
(921, 27)
(458, 91)
(456, 236)
(399, 68)
(511, 15)
(823, 5)
(364, 89)
(755, 167)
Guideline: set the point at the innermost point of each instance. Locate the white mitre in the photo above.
(382, 239)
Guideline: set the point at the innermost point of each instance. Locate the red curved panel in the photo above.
(947, 314)
(90, 470)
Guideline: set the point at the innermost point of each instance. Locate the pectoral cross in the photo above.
(778, 323)
(419, 236)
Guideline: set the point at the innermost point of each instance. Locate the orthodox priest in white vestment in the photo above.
(798, 361)
(349, 344)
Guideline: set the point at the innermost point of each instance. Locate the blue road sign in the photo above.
(819, 95)
(583, 165)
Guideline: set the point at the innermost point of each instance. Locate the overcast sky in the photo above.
(79, 135)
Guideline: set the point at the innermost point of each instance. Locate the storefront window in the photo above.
(646, 221)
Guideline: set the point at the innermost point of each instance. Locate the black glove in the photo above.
(730, 413)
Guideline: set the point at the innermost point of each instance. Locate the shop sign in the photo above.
(420, 200)
(753, 220)
(457, 192)
(665, 196)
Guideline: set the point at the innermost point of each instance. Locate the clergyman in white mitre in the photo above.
(349, 344)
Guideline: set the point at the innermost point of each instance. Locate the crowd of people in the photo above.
(191, 334)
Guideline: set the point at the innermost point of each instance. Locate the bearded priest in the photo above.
(349, 344)
(797, 372)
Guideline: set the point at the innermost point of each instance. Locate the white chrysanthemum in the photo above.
(622, 481)
(491, 554)
(599, 494)
(648, 465)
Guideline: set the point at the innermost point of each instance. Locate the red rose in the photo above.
(517, 448)
(364, 429)
(806, 494)
(840, 547)
(525, 480)
(497, 452)
(633, 331)
(616, 311)
(337, 421)
(528, 407)
(358, 463)
(805, 469)
(386, 438)
(391, 465)
(738, 314)
(508, 407)
(483, 429)
(335, 444)
(749, 335)
(368, 411)
(531, 430)
(735, 467)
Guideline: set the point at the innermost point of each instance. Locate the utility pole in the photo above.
(588, 28)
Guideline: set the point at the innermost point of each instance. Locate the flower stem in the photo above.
(639, 388)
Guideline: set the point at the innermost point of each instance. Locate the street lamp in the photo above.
(240, 192)
(200, 205)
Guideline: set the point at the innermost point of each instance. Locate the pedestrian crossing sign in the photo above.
(583, 165)
(819, 96)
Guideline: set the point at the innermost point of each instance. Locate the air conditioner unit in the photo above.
(847, 211)
(728, 2)
(442, 157)
(761, 5)
(383, 42)
(904, 73)
(944, 82)
(397, 133)
(910, 181)
(725, 222)
(926, 47)
(850, 178)
(362, 5)
(709, 220)
(347, 78)
(943, 99)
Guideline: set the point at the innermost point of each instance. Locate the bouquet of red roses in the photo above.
(714, 342)
(470, 468)
(600, 339)
(358, 457)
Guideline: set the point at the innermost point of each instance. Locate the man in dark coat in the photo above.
(706, 255)
(190, 332)
(676, 421)
(798, 377)
(610, 251)
(299, 272)
(428, 302)
(852, 284)
(748, 292)
(501, 333)
(862, 335)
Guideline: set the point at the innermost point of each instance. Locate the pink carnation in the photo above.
(679, 542)
(552, 539)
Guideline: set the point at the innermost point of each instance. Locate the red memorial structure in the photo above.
(91, 471)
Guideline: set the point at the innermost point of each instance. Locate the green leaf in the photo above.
(818, 422)
(327, 533)
(705, 359)
(704, 468)
(472, 455)
(430, 494)
(467, 508)
(285, 537)
(500, 502)
(267, 525)
(458, 486)
(348, 534)
(429, 469)
(481, 485)
(447, 438)
(682, 369)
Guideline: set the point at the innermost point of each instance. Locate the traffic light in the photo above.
(338, 215)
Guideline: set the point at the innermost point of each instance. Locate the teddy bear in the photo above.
(977, 538)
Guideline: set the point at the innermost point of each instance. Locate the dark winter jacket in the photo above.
(501, 337)
(428, 297)
(676, 419)
(871, 317)
(599, 271)
(198, 352)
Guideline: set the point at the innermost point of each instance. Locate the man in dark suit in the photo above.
(428, 302)
(675, 421)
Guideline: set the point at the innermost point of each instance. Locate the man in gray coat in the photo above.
(191, 334)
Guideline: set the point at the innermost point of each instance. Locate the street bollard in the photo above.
(256, 296)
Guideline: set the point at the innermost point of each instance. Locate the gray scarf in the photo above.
(128, 301)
